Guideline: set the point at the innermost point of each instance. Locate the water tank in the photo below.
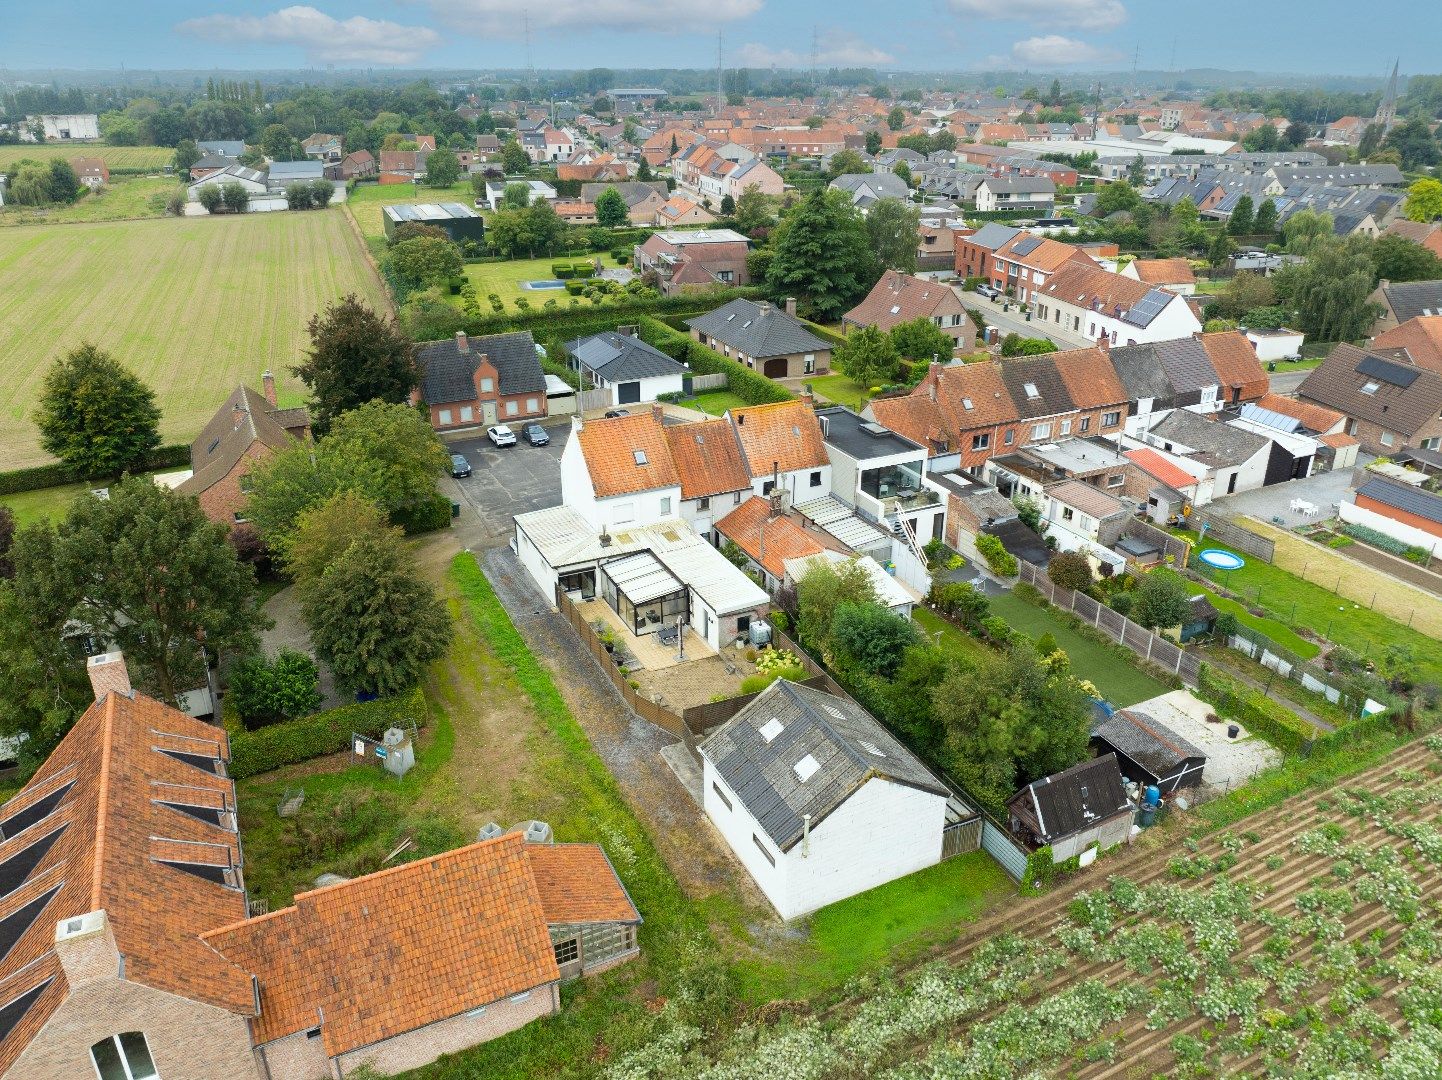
(538, 832)
(1152, 796)
(489, 831)
(760, 633)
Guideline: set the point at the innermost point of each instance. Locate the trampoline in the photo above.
(1221, 560)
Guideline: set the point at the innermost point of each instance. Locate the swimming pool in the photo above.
(538, 286)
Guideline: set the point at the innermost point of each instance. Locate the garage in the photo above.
(775, 368)
(628, 393)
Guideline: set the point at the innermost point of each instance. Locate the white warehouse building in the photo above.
(818, 800)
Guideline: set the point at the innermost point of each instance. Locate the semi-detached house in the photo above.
(1022, 266)
(480, 382)
(1087, 300)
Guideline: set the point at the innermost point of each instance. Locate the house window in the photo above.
(512, 408)
(982, 441)
(123, 1057)
(1111, 419)
(1432, 443)
(444, 417)
(246, 484)
(1009, 438)
(808, 364)
(721, 795)
(567, 952)
(487, 385)
(1067, 513)
(1066, 427)
(767, 487)
(665, 504)
(1116, 480)
(1386, 439)
(769, 857)
(1041, 432)
(736, 499)
(1086, 423)
(468, 413)
(702, 505)
(816, 478)
(531, 406)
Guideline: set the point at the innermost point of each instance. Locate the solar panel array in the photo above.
(1394, 374)
(1148, 308)
(1026, 245)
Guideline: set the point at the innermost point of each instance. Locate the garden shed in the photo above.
(1149, 752)
(1074, 809)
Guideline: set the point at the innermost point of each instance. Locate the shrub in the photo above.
(425, 516)
(329, 732)
(1386, 543)
(44, 476)
(1000, 561)
(1225, 626)
(265, 692)
(754, 684)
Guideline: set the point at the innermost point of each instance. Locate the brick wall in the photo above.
(425, 1044)
(188, 1040)
(1369, 434)
(478, 415)
(296, 1057)
(221, 500)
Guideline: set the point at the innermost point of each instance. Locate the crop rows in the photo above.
(1304, 942)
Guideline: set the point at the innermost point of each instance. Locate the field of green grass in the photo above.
(125, 198)
(716, 402)
(840, 389)
(51, 502)
(1121, 681)
(504, 279)
(1279, 632)
(193, 305)
(115, 157)
(952, 637)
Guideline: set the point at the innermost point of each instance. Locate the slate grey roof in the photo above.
(848, 745)
(1187, 364)
(244, 418)
(1075, 799)
(1412, 298)
(992, 235)
(1404, 497)
(621, 358)
(758, 330)
(296, 170)
(633, 191)
(882, 184)
(1213, 443)
(231, 148)
(1020, 185)
(1040, 373)
(1021, 540)
(1141, 373)
(447, 374)
(1146, 741)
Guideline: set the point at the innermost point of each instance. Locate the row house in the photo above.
(1390, 403)
(1087, 300)
(964, 414)
(1023, 265)
(705, 171)
(974, 248)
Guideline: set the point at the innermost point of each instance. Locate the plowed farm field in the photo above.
(1305, 941)
(192, 305)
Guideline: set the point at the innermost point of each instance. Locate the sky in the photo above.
(1305, 36)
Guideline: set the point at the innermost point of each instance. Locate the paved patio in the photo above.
(696, 682)
(647, 651)
(1230, 762)
(1321, 491)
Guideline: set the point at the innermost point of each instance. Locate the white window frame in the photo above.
(130, 1074)
(444, 417)
(665, 505)
(513, 408)
(1040, 432)
(487, 385)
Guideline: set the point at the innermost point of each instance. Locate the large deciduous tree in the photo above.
(514, 159)
(894, 227)
(821, 590)
(95, 415)
(921, 339)
(867, 356)
(355, 356)
(1160, 600)
(443, 168)
(1330, 290)
(870, 637)
(1424, 200)
(422, 262)
(611, 210)
(822, 254)
(1398, 259)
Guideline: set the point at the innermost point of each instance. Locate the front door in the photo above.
(775, 368)
(488, 411)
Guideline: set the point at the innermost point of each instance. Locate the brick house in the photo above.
(764, 338)
(131, 953)
(91, 171)
(1417, 341)
(246, 430)
(357, 165)
(643, 197)
(403, 166)
(1403, 503)
(897, 298)
(975, 248)
(1024, 264)
(1389, 404)
(694, 259)
(479, 382)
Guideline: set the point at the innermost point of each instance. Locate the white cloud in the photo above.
(326, 40)
(834, 50)
(1084, 14)
(505, 18)
(1053, 50)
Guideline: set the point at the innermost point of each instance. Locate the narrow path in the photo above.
(1242, 677)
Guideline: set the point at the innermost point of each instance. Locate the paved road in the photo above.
(1014, 322)
(508, 481)
(1286, 382)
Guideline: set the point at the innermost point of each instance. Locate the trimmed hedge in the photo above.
(1270, 719)
(998, 559)
(329, 732)
(426, 516)
(550, 324)
(751, 386)
(824, 333)
(44, 476)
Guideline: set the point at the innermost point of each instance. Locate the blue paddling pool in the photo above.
(1222, 560)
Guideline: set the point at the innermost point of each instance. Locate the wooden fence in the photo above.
(714, 381)
(1148, 645)
(700, 719)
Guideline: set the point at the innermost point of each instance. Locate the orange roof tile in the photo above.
(1047, 256)
(1165, 271)
(769, 541)
(1079, 284)
(116, 828)
(785, 435)
(578, 884)
(1159, 468)
(897, 298)
(1339, 439)
(1420, 336)
(395, 950)
(968, 396)
(1315, 417)
(610, 448)
(1236, 363)
(708, 458)
(1090, 378)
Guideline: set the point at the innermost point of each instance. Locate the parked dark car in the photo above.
(536, 435)
(460, 466)
(618, 412)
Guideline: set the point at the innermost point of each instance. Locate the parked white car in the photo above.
(501, 435)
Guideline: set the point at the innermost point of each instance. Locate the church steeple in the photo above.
(1387, 110)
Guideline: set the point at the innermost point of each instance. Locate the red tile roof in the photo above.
(897, 298)
(769, 541)
(1420, 336)
(577, 884)
(1090, 378)
(967, 396)
(1315, 417)
(1159, 468)
(610, 447)
(1236, 363)
(708, 458)
(1165, 271)
(785, 435)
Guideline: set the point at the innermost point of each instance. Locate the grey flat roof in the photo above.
(423, 212)
(861, 439)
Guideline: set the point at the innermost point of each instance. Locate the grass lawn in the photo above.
(1298, 602)
(504, 279)
(193, 305)
(366, 201)
(115, 157)
(1123, 683)
(1279, 632)
(51, 502)
(1305, 364)
(125, 198)
(888, 924)
(841, 390)
(716, 402)
(931, 623)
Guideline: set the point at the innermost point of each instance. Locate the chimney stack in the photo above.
(267, 382)
(791, 306)
(463, 343)
(658, 411)
(1104, 343)
(763, 307)
(85, 946)
(108, 673)
(628, 330)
